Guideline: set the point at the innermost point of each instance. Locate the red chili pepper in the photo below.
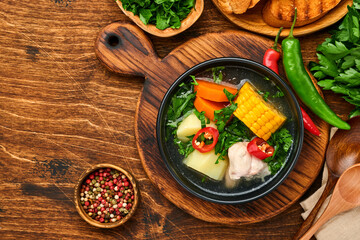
(207, 133)
(272, 55)
(260, 148)
(309, 124)
(270, 60)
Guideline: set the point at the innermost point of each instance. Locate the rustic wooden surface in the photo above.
(124, 48)
(61, 112)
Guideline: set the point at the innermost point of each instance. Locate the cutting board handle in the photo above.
(125, 49)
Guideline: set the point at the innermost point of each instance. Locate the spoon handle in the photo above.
(310, 219)
(336, 205)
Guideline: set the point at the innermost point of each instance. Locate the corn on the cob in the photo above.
(261, 117)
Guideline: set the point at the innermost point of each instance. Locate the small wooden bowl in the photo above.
(185, 23)
(81, 210)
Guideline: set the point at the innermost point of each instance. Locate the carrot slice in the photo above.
(208, 106)
(212, 91)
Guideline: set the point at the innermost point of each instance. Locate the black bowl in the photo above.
(249, 190)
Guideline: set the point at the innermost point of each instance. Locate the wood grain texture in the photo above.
(61, 112)
(133, 54)
(252, 20)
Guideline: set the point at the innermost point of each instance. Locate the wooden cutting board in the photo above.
(125, 49)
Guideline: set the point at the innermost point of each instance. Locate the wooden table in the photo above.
(61, 111)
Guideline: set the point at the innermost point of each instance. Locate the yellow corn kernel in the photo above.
(260, 116)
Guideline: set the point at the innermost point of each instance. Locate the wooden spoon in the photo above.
(346, 196)
(343, 151)
(185, 24)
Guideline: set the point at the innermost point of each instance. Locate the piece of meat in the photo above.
(242, 163)
(239, 160)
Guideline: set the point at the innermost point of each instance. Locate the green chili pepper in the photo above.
(301, 81)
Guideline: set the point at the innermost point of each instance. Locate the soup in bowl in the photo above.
(229, 130)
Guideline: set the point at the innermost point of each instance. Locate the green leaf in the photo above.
(349, 61)
(217, 74)
(333, 51)
(222, 116)
(327, 65)
(145, 15)
(201, 117)
(351, 77)
(326, 84)
(282, 141)
(354, 113)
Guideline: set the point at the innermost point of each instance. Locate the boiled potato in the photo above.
(190, 126)
(205, 163)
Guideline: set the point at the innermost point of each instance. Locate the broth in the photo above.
(234, 75)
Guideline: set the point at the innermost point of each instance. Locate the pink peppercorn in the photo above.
(92, 176)
(87, 203)
(126, 184)
(101, 220)
(88, 181)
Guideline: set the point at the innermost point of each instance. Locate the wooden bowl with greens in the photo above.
(163, 20)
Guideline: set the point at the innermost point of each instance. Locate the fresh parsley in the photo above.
(162, 13)
(235, 132)
(217, 74)
(281, 140)
(339, 64)
(265, 95)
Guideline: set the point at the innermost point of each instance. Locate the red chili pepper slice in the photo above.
(204, 135)
(260, 148)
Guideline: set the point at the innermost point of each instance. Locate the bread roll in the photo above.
(234, 6)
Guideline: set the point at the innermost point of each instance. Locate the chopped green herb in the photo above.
(278, 93)
(217, 74)
(184, 148)
(281, 140)
(181, 103)
(201, 117)
(162, 13)
(194, 80)
(222, 116)
(235, 132)
(265, 95)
